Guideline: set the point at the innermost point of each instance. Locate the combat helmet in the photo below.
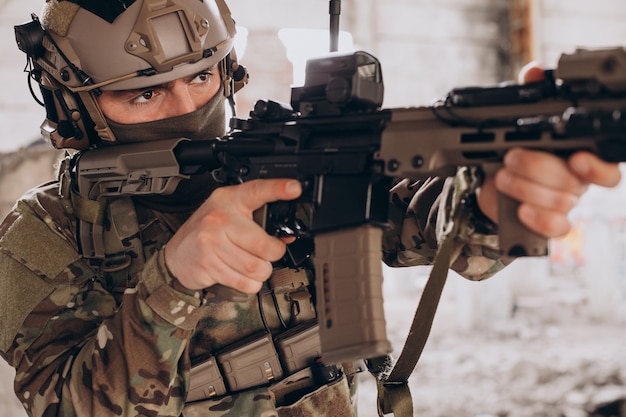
(81, 47)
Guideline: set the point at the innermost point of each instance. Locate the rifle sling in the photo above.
(394, 395)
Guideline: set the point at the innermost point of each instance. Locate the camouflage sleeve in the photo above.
(76, 353)
(418, 215)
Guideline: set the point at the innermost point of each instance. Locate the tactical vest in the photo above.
(276, 368)
(281, 358)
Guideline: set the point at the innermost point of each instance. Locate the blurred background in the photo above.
(543, 338)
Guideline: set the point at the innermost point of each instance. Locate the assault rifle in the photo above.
(346, 151)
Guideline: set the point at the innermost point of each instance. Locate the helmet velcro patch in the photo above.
(107, 10)
(58, 15)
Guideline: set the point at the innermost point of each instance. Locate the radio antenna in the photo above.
(334, 11)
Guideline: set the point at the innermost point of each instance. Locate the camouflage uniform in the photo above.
(122, 343)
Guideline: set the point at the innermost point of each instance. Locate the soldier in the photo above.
(138, 331)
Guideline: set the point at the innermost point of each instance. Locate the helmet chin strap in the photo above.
(234, 77)
(100, 124)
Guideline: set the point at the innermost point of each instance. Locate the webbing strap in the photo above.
(91, 211)
(394, 395)
(396, 399)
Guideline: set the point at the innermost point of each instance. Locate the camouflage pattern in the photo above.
(85, 342)
(332, 400)
(420, 215)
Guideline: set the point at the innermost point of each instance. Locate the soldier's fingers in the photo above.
(531, 72)
(536, 194)
(591, 169)
(254, 194)
(550, 224)
(543, 168)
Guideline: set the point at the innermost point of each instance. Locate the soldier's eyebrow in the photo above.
(136, 91)
(121, 94)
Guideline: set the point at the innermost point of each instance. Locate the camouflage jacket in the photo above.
(121, 343)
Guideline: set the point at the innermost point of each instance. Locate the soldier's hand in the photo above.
(548, 187)
(221, 243)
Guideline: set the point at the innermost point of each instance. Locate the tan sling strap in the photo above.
(394, 395)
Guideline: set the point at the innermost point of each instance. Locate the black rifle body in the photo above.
(347, 152)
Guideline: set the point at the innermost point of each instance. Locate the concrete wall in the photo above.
(19, 114)
(425, 47)
(560, 26)
(428, 47)
(20, 171)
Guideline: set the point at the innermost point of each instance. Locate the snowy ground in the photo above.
(547, 360)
